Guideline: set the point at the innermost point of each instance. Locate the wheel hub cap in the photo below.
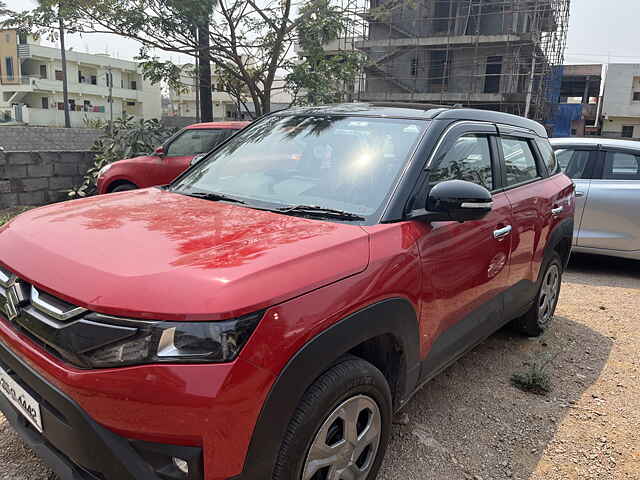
(548, 294)
(346, 444)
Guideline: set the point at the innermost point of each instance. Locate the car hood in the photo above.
(153, 254)
(139, 159)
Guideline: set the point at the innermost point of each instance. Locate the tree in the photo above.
(51, 18)
(248, 40)
(321, 78)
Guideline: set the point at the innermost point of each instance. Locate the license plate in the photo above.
(20, 399)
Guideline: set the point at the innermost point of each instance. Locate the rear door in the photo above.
(535, 201)
(611, 219)
(579, 163)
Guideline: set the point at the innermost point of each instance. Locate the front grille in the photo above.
(63, 330)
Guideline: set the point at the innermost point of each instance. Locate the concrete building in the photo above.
(31, 85)
(493, 54)
(225, 106)
(621, 106)
(576, 93)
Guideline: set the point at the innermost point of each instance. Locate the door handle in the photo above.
(502, 232)
(557, 210)
(579, 194)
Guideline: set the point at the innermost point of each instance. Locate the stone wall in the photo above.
(22, 139)
(38, 178)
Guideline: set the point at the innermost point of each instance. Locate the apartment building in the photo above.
(31, 85)
(621, 105)
(225, 106)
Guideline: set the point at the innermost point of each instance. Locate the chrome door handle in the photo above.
(502, 232)
(557, 210)
(579, 194)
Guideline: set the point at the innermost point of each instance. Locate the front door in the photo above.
(465, 265)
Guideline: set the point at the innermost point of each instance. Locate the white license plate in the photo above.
(24, 402)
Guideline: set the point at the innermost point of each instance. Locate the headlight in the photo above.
(104, 169)
(174, 342)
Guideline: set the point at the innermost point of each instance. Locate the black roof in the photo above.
(419, 111)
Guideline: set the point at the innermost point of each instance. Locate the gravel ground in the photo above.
(470, 423)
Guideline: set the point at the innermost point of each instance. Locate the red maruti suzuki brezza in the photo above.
(265, 315)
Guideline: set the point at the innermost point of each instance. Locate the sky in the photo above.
(600, 31)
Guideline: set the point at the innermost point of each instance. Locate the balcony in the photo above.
(34, 83)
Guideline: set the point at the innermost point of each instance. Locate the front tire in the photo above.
(341, 426)
(540, 315)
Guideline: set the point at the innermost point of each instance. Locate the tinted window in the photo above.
(621, 166)
(519, 161)
(338, 162)
(574, 162)
(469, 159)
(548, 156)
(192, 142)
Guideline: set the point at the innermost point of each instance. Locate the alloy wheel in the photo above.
(346, 444)
(548, 294)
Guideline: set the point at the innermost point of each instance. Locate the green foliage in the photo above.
(129, 139)
(8, 214)
(536, 379)
(320, 78)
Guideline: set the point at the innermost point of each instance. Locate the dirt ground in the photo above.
(471, 423)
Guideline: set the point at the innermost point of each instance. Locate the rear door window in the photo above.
(519, 161)
(574, 162)
(548, 156)
(621, 166)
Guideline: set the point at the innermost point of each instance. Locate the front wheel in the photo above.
(341, 428)
(541, 313)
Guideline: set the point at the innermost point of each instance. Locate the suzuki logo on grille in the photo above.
(16, 297)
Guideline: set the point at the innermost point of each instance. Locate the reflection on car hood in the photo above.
(155, 254)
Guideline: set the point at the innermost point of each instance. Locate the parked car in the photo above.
(607, 177)
(167, 161)
(265, 315)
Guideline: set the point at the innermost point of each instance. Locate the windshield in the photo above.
(334, 162)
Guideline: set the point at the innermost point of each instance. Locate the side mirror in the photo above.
(456, 200)
(159, 152)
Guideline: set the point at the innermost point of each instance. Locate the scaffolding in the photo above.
(489, 54)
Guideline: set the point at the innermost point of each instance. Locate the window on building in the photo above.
(627, 131)
(8, 67)
(134, 85)
(621, 166)
(45, 103)
(441, 15)
(439, 68)
(636, 96)
(519, 160)
(59, 75)
(72, 105)
(131, 104)
(22, 39)
(7, 37)
(87, 105)
(94, 80)
(43, 71)
(493, 73)
(414, 67)
(469, 159)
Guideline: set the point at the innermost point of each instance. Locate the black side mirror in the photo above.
(456, 200)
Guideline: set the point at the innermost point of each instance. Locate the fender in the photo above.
(395, 316)
(562, 231)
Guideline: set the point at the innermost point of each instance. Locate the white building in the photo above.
(225, 106)
(31, 85)
(621, 106)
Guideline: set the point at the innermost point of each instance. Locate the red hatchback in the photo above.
(265, 315)
(168, 161)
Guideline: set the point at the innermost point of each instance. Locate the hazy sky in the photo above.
(600, 31)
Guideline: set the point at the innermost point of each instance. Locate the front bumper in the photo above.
(75, 446)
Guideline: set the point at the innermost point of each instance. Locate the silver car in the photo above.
(607, 177)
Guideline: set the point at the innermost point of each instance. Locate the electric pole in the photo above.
(63, 59)
(110, 84)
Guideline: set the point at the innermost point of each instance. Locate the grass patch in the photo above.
(536, 379)
(8, 213)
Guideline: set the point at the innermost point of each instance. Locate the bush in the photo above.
(129, 139)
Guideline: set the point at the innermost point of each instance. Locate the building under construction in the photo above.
(491, 54)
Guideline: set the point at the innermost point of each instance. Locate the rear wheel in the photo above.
(123, 187)
(341, 428)
(541, 313)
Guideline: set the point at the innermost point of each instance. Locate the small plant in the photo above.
(536, 379)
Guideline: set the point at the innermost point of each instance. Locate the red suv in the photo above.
(265, 315)
(168, 161)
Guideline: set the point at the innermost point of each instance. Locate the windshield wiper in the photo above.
(214, 197)
(323, 212)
